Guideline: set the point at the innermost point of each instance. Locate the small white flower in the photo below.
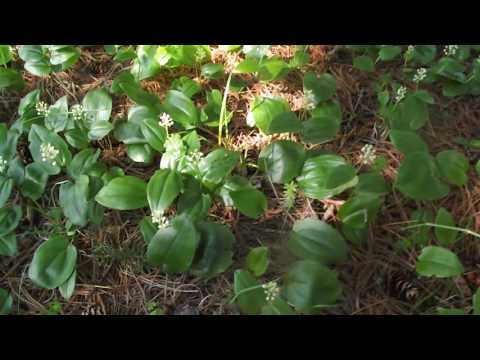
(401, 92)
(420, 75)
(271, 290)
(77, 112)
(3, 164)
(49, 153)
(166, 121)
(368, 155)
(450, 50)
(410, 49)
(308, 99)
(161, 221)
(194, 157)
(42, 108)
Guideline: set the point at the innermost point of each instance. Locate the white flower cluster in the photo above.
(49, 153)
(3, 164)
(200, 54)
(401, 92)
(308, 99)
(166, 121)
(271, 290)
(420, 75)
(194, 157)
(410, 49)
(159, 219)
(450, 50)
(77, 112)
(368, 155)
(42, 108)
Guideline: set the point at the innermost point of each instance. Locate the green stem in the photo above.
(222, 110)
(466, 231)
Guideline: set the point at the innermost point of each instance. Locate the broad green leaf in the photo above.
(34, 182)
(174, 246)
(420, 182)
(325, 176)
(407, 141)
(124, 193)
(476, 303)
(186, 85)
(389, 52)
(214, 254)
(141, 153)
(73, 199)
(322, 88)
(439, 262)
(445, 237)
(319, 130)
(453, 167)
(9, 219)
(6, 302)
(11, 79)
(454, 312)
(99, 129)
(57, 117)
(371, 183)
(8, 244)
(53, 262)
(68, 287)
(257, 260)
(182, 109)
(217, 165)
(5, 54)
(97, 105)
(282, 160)
(364, 63)
(309, 285)
(359, 210)
(424, 54)
(273, 69)
(154, 134)
(77, 138)
(162, 189)
(83, 162)
(148, 229)
(316, 240)
(250, 296)
(272, 116)
(213, 71)
(6, 186)
(249, 201)
(277, 307)
(249, 65)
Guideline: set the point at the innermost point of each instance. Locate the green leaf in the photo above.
(57, 117)
(257, 260)
(123, 193)
(162, 189)
(5, 54)
(282, 160)
(68, 287)
(186, 85)
(389, 52)
(73, 199)
(420, 182)
(476, 303)
(249, 65)
(325, 176)
(148, 229)
(319, 130)
(424, 54)
(53, 262)
(445, 237)
(453, 167)
(213, 71)
(6, 186)
(217, 165)
(249, 301)
(6, 302)
(77, 138)
(35, 181)
(439, 262)
(407, 141)
(141, 153)
(250, 202)
(322, 88)
(410, 114)
(359, 210)
(309, 285)
(83, 162)
(455, 312)
(154, 134)
(371, 183)
(214, 253)
(100, 129)
(313, 239)
(273, 69)
(364, 63)
(174, 246)
(182, 109)
(277, 307)
(97, 105)
(272, 116)
(8, 244)
(9, 219)
(11, 79)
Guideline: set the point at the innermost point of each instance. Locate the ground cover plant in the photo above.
(239, 179)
